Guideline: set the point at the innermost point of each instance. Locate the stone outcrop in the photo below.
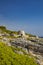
(28, 45)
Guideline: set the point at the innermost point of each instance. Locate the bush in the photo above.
(9, 57)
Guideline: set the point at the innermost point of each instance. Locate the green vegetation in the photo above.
(30, 35)
(9, 57)
(19, 49)
(3, 29)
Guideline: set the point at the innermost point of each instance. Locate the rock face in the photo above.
(22, 33)
(28, 45)
(34, 49)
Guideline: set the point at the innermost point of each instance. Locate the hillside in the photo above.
(9, 57)
(20, 48)
(4, 29)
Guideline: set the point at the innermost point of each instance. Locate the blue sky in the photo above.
(24, 15)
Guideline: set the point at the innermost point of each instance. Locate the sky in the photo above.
(24, 15)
